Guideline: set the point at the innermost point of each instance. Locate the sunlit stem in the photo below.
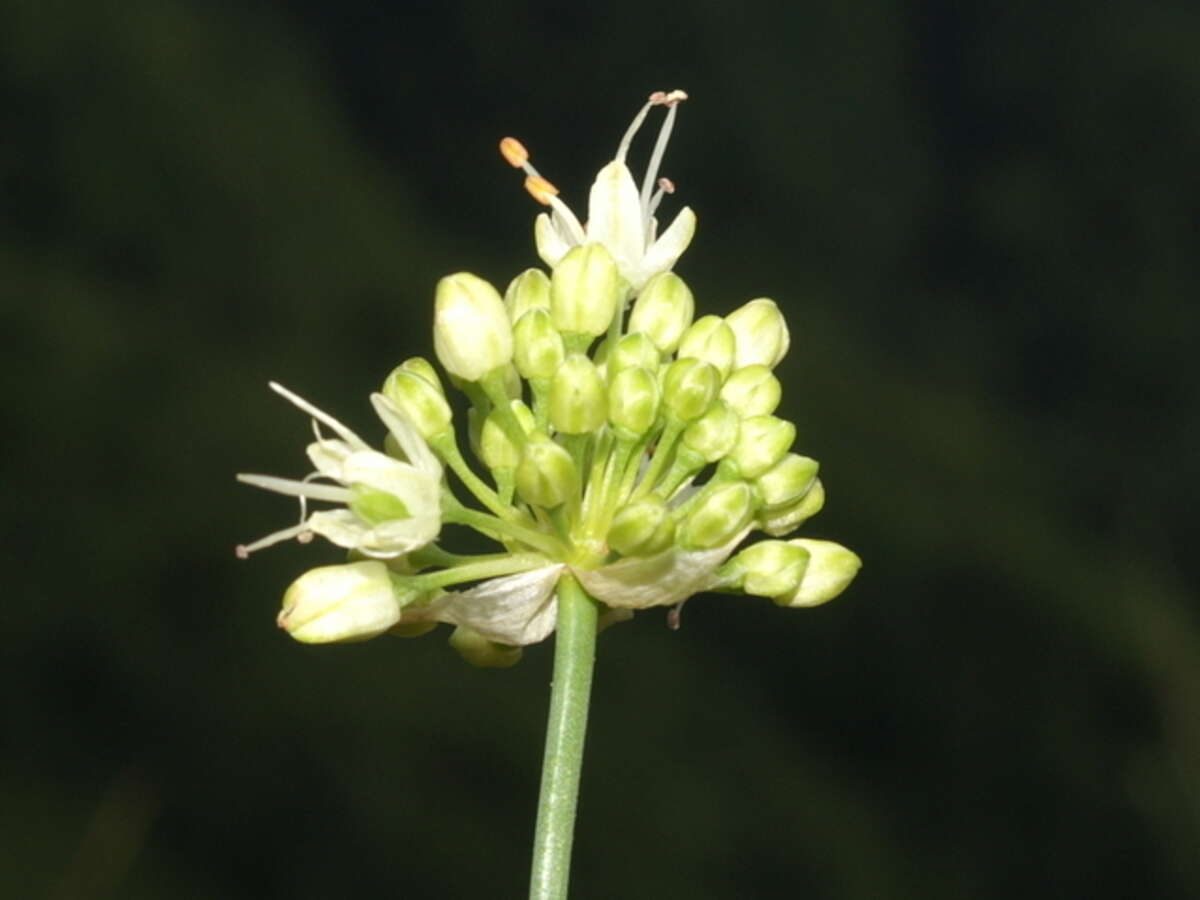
(453, 511)
(447, 449)
(505, 564)
(662, 454)
(574, 658)
(493, 385)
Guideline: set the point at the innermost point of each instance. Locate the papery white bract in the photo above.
(619, 215)
(392, 506)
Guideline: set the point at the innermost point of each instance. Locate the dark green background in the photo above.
(981, 220)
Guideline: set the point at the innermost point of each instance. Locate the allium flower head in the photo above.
(630, 444)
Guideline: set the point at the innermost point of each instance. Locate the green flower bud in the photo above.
(537, 345)
(642, 528)
(712, 340)
(632, 350)
(419, 365)
(689, 387)
(663, 310)
(714, 434)
(762, 442)
(546, 475)
(762, 333)
(831, 568)
(719, 516)
(778, 522)
(633, 398)
(529, 290)
(771, 568)
(585, 290)
(577, 396)
(477, 650)
(471, 332)
(786, 481)
(423, 404)
(496, 448)
(752, 391)
(348, 602)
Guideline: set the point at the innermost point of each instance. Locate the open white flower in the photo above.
(392, 507)
(619, 215)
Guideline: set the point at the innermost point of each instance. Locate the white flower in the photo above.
(391, 507)
(619, 215)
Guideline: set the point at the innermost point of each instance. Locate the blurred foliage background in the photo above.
(981, 219)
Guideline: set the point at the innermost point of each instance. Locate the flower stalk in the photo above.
(562, 763)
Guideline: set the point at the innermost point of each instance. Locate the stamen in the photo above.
(671, 101)
(514, 152)
(243, 551)
(623, 147)
(540, 189)
(665, 186)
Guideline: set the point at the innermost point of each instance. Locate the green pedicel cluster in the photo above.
(625, 440)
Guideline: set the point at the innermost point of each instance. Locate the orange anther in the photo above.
(540, 189)
(514, 152)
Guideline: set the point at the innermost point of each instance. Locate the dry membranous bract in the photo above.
(624, 439)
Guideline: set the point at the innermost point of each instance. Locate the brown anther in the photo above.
(666, 185)
(514, 152)
(668, 98)
(540, 189)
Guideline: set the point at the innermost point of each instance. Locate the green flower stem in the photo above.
(506, 564)
(574, 655)
(453, 511)
(447, 448)
(662, 453)
(493, 385)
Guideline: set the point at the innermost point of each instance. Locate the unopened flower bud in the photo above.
(831, 567)
(585, 290)
(709, 338)
(770, 568)
(477, 650)
(781, 521)
(496, 447)
(689, 387)
(762, 442)
(752, 391)
(546, 475)
(537, 345)
(642, 528)
(762, 333)
(633, 398)
(577, 396)
(529, 290)
(423, 404)
(719, 516)
(663, 310)
(633, 349)
(471, 332)
(786, 481)
(347, 602)
(714, 434)
(419, 365)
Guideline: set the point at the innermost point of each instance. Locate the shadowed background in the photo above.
(981, 221)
